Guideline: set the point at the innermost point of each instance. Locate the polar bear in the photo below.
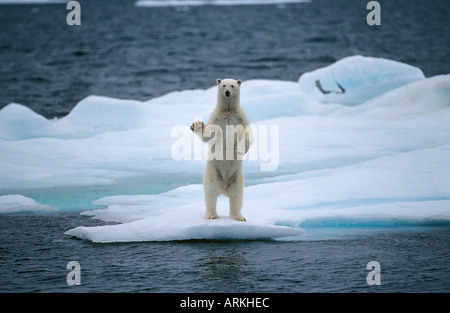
(228, 134)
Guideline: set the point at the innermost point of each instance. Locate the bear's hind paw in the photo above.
(211, 216)
(239, 218)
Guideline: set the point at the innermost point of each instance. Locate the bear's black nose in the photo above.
(227, 93)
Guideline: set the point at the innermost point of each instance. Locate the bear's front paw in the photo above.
(240, 151)
(197, 126)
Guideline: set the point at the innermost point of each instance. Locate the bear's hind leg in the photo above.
(236, 198)
(211, 196)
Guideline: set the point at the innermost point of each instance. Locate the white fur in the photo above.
(223, 174)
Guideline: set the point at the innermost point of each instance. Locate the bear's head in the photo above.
(228, 88)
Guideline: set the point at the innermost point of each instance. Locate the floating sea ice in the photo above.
(401, 187)
(19, 203)
(384, 160)
(175, 215)
(176, 3)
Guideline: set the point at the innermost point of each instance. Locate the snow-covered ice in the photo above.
(380, 156)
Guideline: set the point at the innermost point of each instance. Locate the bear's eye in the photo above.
(232, 86)
(224, 85)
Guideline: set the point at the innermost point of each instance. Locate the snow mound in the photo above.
(20, 122)
(356, 79)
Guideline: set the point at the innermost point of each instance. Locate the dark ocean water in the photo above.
(139, 53)
(34, 255)
(124, 51)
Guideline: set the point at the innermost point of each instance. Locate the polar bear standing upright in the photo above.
(228, 134)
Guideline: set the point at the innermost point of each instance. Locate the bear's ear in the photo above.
(218, 81)
(239, 82)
